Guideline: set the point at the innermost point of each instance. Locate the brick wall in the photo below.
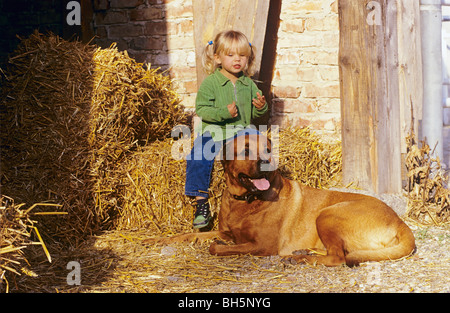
(159, 32)
(306, 76)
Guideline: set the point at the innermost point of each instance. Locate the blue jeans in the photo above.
(200, 162)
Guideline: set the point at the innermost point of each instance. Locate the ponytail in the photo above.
(208, 58)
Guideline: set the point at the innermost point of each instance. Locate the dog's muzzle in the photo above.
(256, 184)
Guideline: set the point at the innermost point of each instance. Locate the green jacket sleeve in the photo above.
(255, 112)
(205, 105)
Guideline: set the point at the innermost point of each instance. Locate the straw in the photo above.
(16, 228)
(70, 114)
(428, 194)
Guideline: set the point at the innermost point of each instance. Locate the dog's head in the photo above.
(249, 164)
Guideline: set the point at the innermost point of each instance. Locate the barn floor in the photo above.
(116, 261)
(190, 268)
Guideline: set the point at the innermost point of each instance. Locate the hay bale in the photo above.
(131, 106)
(44, 116)
(304, 157)
(69, 114)
(428, 194)
(150, 191)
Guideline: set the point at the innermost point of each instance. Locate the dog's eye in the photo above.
(245, 153)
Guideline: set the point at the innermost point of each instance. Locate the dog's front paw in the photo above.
(302, 252)
(295, 259)
(213, 248)
(289, 260)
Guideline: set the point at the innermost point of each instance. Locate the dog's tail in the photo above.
(404, 246)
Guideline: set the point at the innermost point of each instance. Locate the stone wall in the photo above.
(306, 76)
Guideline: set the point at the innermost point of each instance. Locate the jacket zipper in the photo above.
(240, 110)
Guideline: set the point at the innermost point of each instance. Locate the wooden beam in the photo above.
(87, 13)
(410, 73)
(410, 67)
(214, 16)
(83, 32)
(368, 65)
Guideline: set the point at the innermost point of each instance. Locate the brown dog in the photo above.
(263, 213)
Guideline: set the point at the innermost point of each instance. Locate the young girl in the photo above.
(226, 102)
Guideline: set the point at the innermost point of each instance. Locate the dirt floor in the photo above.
(116, 261)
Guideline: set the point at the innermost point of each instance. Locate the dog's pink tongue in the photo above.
(261, 184)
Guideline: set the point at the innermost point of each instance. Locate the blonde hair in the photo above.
(226, 42)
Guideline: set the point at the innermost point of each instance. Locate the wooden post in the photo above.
(410, 66)
(410, 72)
(83, 32)
(87, 12)
(368, 66)
(214, 16)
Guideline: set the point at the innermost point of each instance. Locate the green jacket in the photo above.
(215, 93)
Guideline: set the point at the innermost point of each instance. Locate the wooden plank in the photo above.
(83, 32)
(87, 13)
(410, 72)
(389, 175)
(368, 65)
(410, 67)
(354, 82)
(214, 16)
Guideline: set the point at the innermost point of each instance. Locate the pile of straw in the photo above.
(129, 102)
(131, 107)
(44, 124)
(44, 118)
(305, 158)
(150, 191)
(16, 233)
(70, 113)
(428, 196)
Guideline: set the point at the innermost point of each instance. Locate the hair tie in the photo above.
(250, 44)
(210, 42)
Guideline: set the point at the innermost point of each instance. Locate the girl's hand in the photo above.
(233, 109)
(259, 102)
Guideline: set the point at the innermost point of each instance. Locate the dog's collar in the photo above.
(249, 196)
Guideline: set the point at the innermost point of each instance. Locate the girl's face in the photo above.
(232, 62)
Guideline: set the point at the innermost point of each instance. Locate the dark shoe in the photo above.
(202, 215)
